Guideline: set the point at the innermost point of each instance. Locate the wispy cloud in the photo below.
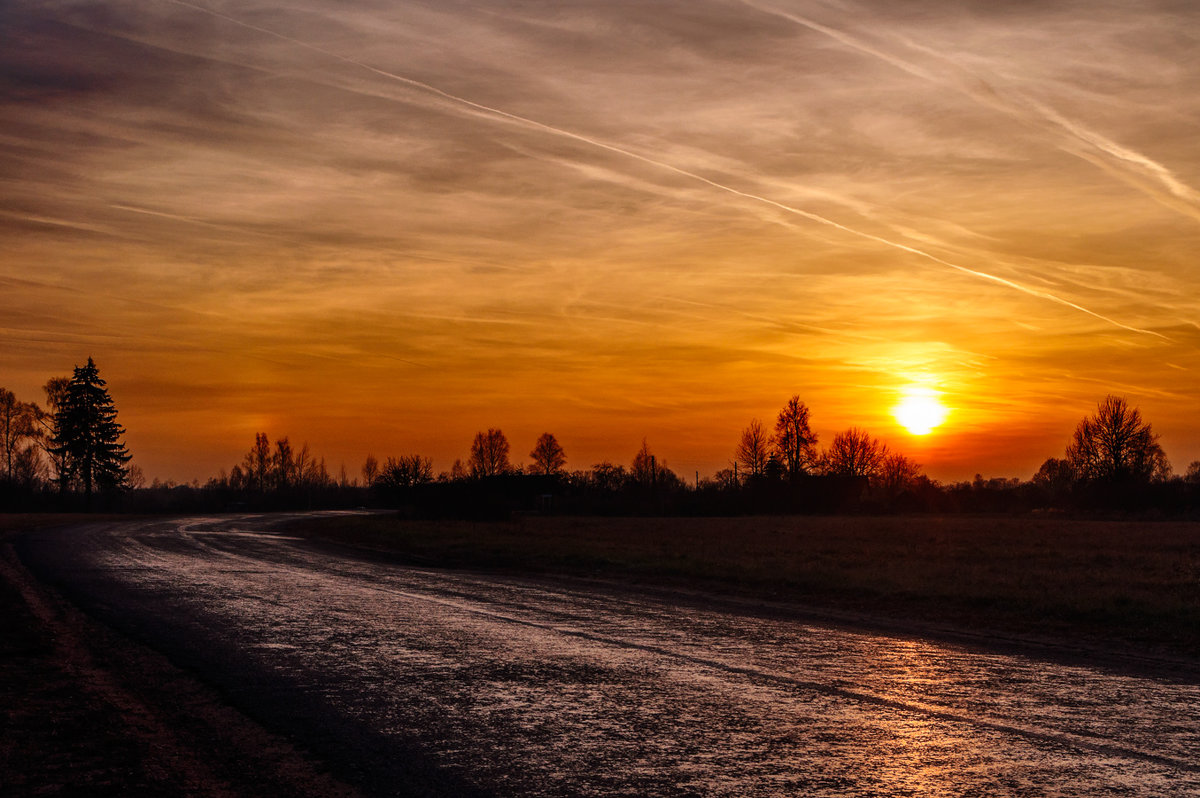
(490, 111)
(990, 90)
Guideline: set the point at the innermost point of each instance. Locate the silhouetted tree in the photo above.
(283, 464)
(1192, 475)
(137, 477)
(406, 471)
(1055, 476)
(648, 470)
(56, 394)
(795, 442)
(644, 465)
(608, 477)
(370, 470)
(725, 479)
(237, 479)
(753, 449)
(489, 454)
(88, 435)
(29, 468)
(854, 453)
(1115, 445)
(774, 469)
(306, 467)
(19, 432)
(897, 474)
(256, 466)
(548, 456)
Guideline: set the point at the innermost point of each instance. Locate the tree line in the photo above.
(70, 455)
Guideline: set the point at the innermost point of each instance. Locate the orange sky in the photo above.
(381, 227)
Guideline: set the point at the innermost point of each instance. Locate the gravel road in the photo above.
(419, 681)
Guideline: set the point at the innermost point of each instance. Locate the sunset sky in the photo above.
(380, 226)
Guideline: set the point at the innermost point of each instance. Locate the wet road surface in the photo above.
(414, 681)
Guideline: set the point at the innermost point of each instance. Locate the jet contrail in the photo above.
(1020, 106)
(190, 220)
(564, 133)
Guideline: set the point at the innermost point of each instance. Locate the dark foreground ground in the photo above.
(86, 711)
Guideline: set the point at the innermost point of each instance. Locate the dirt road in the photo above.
(411, 681)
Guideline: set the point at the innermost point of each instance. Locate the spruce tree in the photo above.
(87, 435)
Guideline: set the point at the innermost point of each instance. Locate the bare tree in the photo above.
(29, 468)
(256, 465)
(1192, 475)
(238, 479)
(1115, 445)
(283, 464)
(647, 469)
(489, 454)
(305, 468)
(137, 477)
(607, 476)
(548, 455)
(795, 442)
(897, 474)
(644, 465)
(854, 453)
(370, 470)
(19, 430)
(725, 478)
(406, 471)
(753, 449)
(56, 396)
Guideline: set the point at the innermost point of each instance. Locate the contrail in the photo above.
(564, 133)
(1017, 105)
(190, 220)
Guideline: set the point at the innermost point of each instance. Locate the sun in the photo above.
(920, 411)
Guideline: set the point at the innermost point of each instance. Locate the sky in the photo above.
(380, 226)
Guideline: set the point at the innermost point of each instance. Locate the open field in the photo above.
(1133, 585)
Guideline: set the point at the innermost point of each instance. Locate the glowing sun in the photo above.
(920, 411)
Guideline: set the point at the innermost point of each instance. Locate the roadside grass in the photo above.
(1131, 583)
(14, 523)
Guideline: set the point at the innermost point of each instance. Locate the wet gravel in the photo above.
(422, 681)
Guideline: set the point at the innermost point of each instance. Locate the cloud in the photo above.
(431, 216)
(990, 89)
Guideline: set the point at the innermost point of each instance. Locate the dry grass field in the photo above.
(1130, 584)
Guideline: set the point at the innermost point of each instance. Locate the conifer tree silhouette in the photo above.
(87, 435)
